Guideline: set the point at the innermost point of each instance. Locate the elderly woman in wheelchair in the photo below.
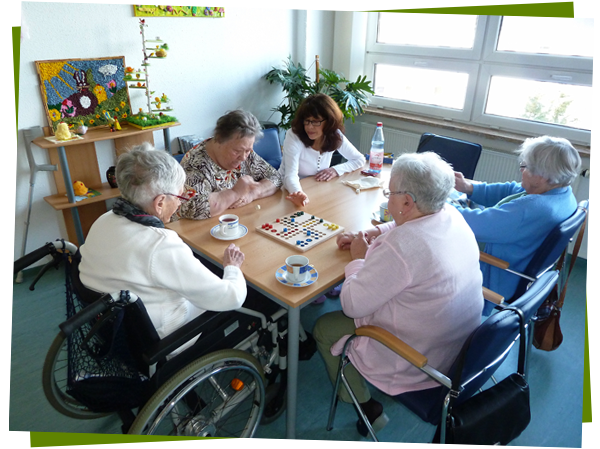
(129, 248)
(512, 218)
(154, 335)
(418, 277)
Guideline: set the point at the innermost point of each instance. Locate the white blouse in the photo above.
(300, 161)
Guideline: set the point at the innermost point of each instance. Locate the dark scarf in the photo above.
(131, 212)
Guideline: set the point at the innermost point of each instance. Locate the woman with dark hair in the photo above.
(317, 131)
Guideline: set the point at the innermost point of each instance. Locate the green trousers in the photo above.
(329, 328)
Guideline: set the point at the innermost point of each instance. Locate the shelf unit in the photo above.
(77, 161)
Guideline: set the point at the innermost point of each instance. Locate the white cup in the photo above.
(297, 268)
(229, 224)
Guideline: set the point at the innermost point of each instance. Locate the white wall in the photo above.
(214, 65)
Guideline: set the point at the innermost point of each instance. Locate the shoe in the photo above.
(334, 292)
(319, 300)
(379, 423)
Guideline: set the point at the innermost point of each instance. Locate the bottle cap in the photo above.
(379, 124)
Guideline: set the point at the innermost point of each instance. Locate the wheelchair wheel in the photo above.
(221, 394)
(54, 381)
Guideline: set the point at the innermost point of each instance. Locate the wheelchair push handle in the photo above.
(49, 248)
(100, 306)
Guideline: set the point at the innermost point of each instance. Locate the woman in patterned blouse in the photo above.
(225, 171)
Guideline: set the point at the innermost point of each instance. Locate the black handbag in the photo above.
(494, 416)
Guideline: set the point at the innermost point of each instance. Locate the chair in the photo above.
(462, 155)
(550, 251)
(484, 351)
(269, 148)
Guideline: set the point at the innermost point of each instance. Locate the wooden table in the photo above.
(77, 161)
(332, 201)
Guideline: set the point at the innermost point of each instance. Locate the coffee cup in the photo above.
(229, 224)
(384, 213)
(297, 268)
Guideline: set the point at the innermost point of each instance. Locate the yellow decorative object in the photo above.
(162, 53)
(100, 93)
(62, 132)
(79, 188)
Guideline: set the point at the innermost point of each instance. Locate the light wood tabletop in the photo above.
(333, 201)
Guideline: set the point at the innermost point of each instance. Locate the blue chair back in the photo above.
(269, 148)
(462, 155)
(552, 247)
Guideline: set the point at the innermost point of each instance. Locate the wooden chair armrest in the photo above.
(492, 296)
(484, 257)
(394, 343)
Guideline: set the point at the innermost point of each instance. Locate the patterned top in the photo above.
(206, 177)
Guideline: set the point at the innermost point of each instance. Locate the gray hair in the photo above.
(427, 176)
(237, 124)
(143, 173)
(552, 158)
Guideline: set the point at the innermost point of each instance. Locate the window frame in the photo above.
(481, 63)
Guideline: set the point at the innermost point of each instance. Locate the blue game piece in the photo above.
(284, 229)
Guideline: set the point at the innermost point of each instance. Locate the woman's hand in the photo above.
(345, 239)
(326, 175)
(233, 256)
(461, 184)
(359, 246)
(299, 198)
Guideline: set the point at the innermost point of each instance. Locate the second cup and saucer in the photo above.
(297, 272)
(229, 228)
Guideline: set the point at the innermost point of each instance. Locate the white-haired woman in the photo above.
(128, 248)
(418, 277)
(517, 217)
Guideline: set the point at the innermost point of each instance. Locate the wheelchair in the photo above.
(108, 358)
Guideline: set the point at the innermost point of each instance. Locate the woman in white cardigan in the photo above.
(128, 248)
(317, 131)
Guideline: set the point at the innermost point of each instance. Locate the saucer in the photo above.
(216, 233)
(281, 275)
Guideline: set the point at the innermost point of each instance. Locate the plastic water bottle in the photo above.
(376, 154)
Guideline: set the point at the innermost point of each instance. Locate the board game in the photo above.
(300, 230)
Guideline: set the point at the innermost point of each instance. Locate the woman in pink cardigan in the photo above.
(417, 277)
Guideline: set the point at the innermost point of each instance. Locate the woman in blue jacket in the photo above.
(517, 217)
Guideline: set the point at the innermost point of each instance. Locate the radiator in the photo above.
(493, 166)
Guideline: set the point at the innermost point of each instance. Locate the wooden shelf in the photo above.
(61, 202)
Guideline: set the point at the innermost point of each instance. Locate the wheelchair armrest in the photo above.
(492, 296)
(177, 338)
(394, 343)
(491, 260)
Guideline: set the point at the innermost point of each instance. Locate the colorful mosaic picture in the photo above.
(88, 92)
(178, 11)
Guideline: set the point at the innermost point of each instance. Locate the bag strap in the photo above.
(574, 255)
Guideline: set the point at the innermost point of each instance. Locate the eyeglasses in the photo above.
(313, 122)
(522, 165)
(387, 193)
(185, 196)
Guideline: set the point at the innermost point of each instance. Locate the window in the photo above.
(527, 74)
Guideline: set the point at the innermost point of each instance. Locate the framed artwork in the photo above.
(91, 92)
(178, 11)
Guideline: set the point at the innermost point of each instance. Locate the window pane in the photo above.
(540, 101)
(427, 86)
(427, 30)
(547, 35)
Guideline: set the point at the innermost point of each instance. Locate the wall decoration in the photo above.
(178, 11)
(157, 107)
(84, 91)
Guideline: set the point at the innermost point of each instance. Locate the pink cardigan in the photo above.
(420, 281)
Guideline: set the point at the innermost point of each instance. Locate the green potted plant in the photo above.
(351, 97)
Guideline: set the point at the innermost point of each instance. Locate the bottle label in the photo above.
(376, 161)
